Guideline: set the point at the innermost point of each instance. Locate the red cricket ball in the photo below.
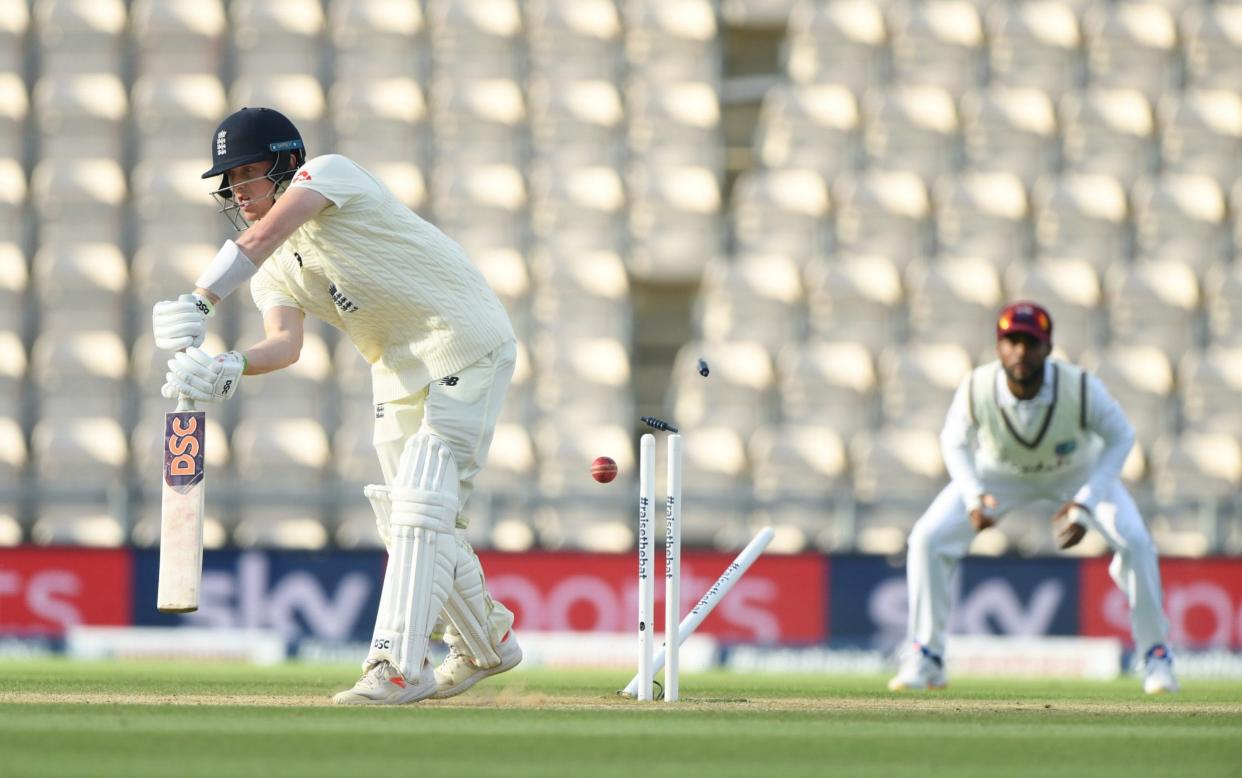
(604, 469)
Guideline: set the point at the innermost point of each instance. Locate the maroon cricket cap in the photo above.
(1026, 317)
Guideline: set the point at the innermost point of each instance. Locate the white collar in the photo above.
(1006, 398)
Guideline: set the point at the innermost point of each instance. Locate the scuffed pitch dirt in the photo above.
(517, 697)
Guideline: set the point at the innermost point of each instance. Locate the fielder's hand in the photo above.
(1070, 524)
(180, 323)
(196, 374)
(981, 517)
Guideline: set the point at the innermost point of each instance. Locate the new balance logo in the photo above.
(450, 381)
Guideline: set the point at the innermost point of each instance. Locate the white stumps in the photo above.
(672, 569)
(732, 574)
(646, 588)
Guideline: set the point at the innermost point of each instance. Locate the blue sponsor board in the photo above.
(991, 595)
(329, 597)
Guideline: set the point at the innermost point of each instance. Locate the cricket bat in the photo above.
(181, 517)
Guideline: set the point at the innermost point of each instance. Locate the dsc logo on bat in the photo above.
(183, 449)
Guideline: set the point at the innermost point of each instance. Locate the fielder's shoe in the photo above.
(383, 684)
(458, 672)
(920, 670)
(1158, 675)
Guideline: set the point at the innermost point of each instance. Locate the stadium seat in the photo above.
(405, 180)
(75, 524)
(809, 127)
(79, 373)
(13, 454)
(79, 453)
(839, 42)
(281, 526)
(1181, 218)
(1109, 131)
(165, 271)
(1210, 383)
(484, 204)
(582, 380)
(1010, 130)
(10, 528)
(478, 121)
(79, 199)
(982, 215)
(174, 205)
(80, 286)
(476, 39)
(917, 382)
(881, 459)
(511, 466)
(12, 202)
(1201, 133)
(174, 37)
(588, 291)
(79, 37)
(14, 108)
(1213, 42)
(1222, 292)
(716, 486)
(855, 299)
(575, 39)
(579, 121)
(1140, 379)
(14, 25)
(830, 385)
(1070, 290)
(1132, 46)
(378, 39)
(740, 395)
(276, 36)
(798, 475)
(912, 128)
(14, 287)
(672, 40)
(303, 389)
(506, 273)
(381, 120)
(564, 454)
(1035, 44)
(580, 205)
(13, 366)
(954, 300)
(675, 223)
(1081, 216)
(175, 116)
(781, 211)
(937, 43)
(755, 297)
(675, 123)
(1154, 303)
(289, 454)
(882, 214)
(1196, 478)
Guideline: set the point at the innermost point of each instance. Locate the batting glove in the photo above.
(180, 323)
(195, 374)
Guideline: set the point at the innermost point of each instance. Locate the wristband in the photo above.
(230, 269)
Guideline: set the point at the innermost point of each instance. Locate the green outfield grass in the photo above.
(130, 719)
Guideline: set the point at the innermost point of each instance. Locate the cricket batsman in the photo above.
(325, 237)
(1026, 429)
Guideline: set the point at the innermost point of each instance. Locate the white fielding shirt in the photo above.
(1105, 420)
(404, 293)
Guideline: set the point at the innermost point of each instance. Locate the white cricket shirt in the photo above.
(974, 462)
(405, 293)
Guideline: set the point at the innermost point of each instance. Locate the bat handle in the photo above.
(185, 403)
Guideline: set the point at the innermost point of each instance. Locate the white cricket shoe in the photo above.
(920, 670)
(458, 672)
(1158, 675)
(383, 684)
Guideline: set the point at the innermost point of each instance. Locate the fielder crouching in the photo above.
(1021, 430)
(325, 237)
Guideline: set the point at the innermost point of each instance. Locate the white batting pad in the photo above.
(471, 610)
(422, 555)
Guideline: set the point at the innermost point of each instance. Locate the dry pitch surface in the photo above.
(58, 718)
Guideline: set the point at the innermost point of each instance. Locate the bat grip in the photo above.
(185, 403)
